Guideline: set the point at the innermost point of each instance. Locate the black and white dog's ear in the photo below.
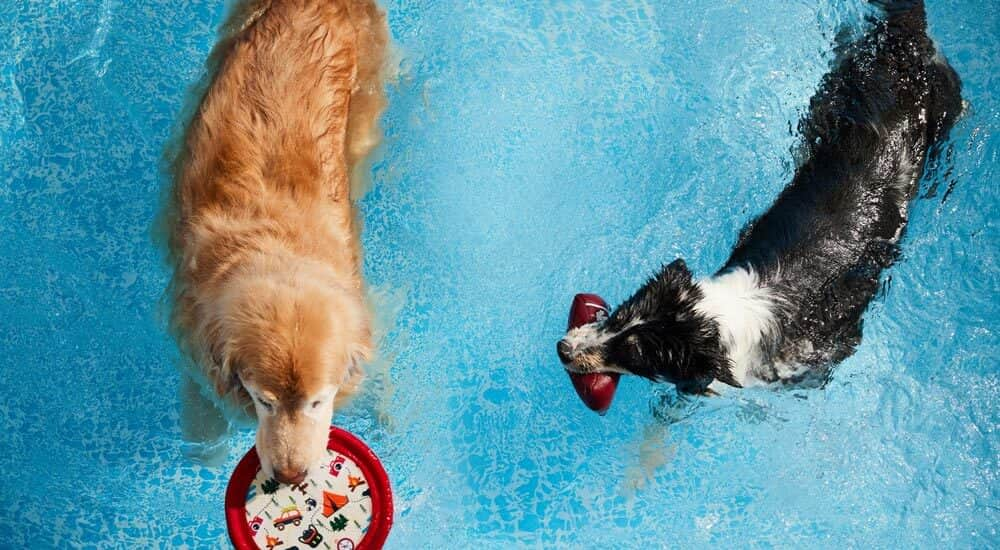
(676, 271)
(671, 283)
(677, 265)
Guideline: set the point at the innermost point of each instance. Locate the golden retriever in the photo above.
(267, 293)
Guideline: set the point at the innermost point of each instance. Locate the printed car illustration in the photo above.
(289, 514)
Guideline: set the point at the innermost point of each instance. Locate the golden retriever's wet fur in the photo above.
(267, 292)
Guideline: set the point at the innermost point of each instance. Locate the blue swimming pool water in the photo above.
(534, 149)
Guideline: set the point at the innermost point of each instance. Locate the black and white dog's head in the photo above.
(657, 334)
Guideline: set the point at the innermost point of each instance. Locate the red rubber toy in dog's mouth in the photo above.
(596, 390)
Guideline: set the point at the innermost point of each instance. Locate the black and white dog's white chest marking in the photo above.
(790, 298)
(748, 317)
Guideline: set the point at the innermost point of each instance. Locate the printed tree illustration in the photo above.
(338, 523)
(270, 486)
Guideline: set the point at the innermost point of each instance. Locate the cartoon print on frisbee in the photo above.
(353, 482)
(331, 508)
(336, 465)
(311, 536)
(339, 523)
(331, 504)
(271, 542)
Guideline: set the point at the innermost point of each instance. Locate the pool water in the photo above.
(533, 150)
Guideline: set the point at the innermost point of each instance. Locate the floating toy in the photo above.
(345, 503)
(596, 390)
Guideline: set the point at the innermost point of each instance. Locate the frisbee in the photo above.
(596, 390)
(345, 503)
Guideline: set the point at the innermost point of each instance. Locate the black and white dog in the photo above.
(789, 300)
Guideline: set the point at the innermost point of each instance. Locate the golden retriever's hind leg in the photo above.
(203, 427)
(368, 97)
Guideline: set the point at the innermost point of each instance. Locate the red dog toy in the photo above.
(345, 503)
(596, 390)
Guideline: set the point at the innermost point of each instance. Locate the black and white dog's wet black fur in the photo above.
(790, 298)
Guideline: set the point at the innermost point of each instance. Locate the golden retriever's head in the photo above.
(293, 347)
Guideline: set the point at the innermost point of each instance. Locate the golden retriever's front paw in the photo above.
(207, 453)
(204, 429)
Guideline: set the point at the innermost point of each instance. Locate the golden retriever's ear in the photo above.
(218, 356)
(355, 374)
(226, 377)
(356, 366)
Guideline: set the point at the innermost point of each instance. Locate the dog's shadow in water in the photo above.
(654, 449)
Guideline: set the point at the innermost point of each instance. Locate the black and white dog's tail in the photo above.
(907, 20)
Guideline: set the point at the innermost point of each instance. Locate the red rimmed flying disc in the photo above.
(345, 503)
(596, 390)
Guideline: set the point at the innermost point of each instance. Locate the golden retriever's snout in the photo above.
(290, 475)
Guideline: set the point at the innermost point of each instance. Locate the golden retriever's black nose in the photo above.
(290, 477)
(562, 348)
